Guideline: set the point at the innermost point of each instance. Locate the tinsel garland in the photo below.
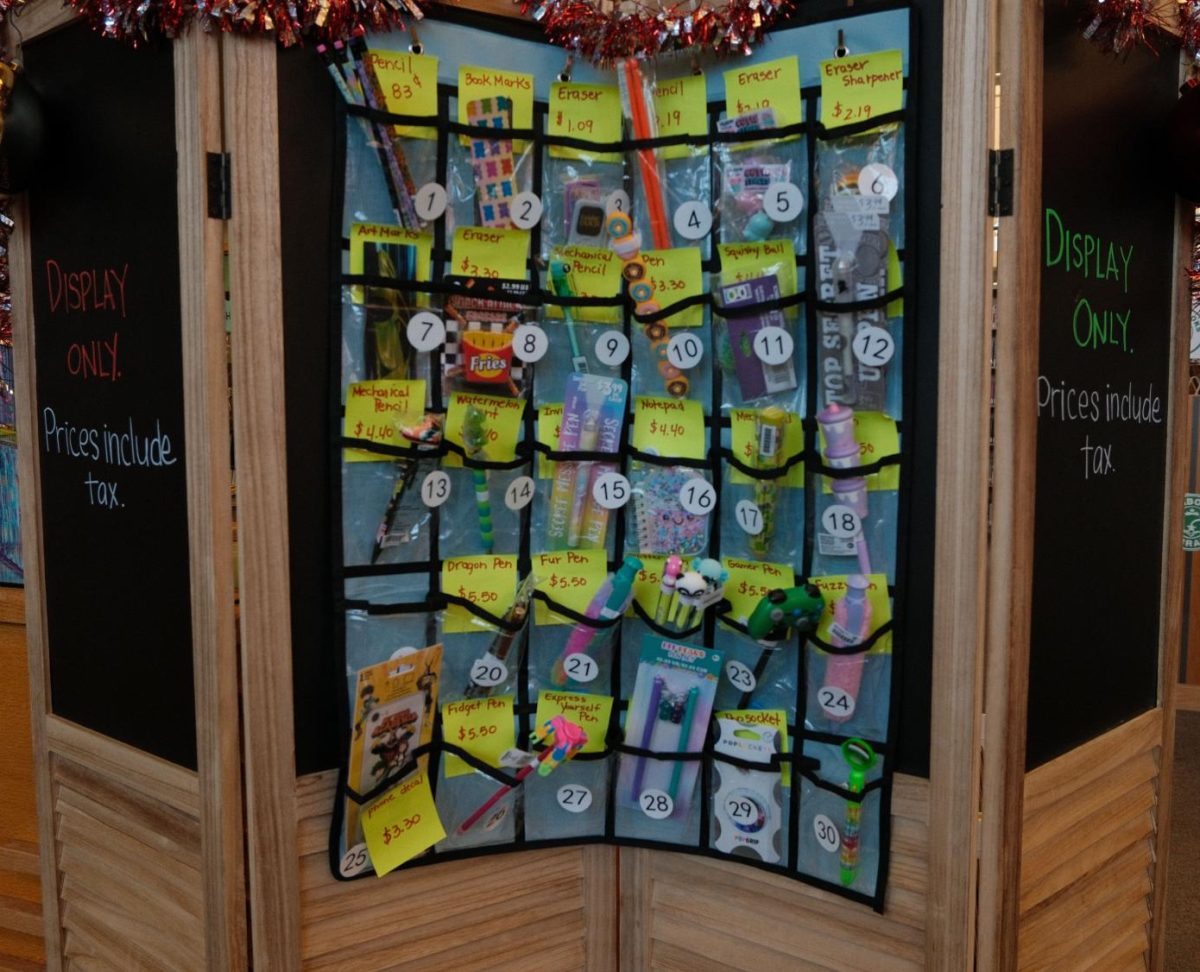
(603, 30)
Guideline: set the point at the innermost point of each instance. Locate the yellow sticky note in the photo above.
(672, 427)
(743, 442)
(680, 107)
(483, 727)
(595, 271)
(588, 111)
(489, 580)
(496, 254)
(409, 84)
(646, 585)
(833, 587)
(860, 87)
(502, 419)
(877, 437)
(401, 824)
(589, 712)
(570, 577)
(379, 250)
(548, 424)
(774, 85)
(750, 581)
(771, 718)
(895, 280)
(377, 411)
(476, 83)
(745, 261)
(677, 274)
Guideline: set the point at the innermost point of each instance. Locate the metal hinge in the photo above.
(218, 186)
(1000, 182)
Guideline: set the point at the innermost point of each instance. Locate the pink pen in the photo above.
(843, 673)
(666, 590)
(610, 602)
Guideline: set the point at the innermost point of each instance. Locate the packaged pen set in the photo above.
(620, 370)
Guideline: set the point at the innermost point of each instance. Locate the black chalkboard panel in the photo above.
(105, 252)
(1108, 217)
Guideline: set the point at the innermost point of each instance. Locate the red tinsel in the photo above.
(1189, 27)
(603, 30)
(1118, 25)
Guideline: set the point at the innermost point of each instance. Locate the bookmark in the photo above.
(492, 160)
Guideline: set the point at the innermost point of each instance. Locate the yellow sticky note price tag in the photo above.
(570, 577)
(646, 584)
(477, 83)
(595, 271)
(549, 423)
(676, 274)
(772, 719)
(671, 427)
(680, 108)
(401, 824)
(746, 261)
(377, 411)
(502, 419)
(877, 437)
(833, 587)
(750, 581)
(773, 84)
(483, 727)
(381, 250)
(860, 87)
(743, 442)
(488, 580)
(495, 254)
(587, 111)
(409, 85)
(589, 712)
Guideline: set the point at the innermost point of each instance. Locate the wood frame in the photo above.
(212, 795)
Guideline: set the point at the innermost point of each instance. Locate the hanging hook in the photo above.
(416, 47)
(565, 73)
(841, 50)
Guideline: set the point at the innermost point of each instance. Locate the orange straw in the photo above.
(651, 186)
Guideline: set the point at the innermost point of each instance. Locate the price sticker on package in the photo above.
(483, 727)
(401, 824)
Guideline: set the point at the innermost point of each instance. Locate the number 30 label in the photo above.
(827, 833)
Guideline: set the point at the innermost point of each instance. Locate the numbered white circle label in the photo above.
(580, 667)
(530, 343)
(744, 813)
(827, 833)
(693, 220)
(574, 798)
(698, 496)
(685, 350)
(525, 210)
(749, 517)
(873, 346)
(612, 348)
(430, 201)
(435, 488)
(773, 345)
(877, 180)
(783, 201)
(841, 522)
(656, 804)
(355, 861)
(836, 702)
(740, 676)
(520, 493)
(611, 490)
(617, 201)
(426, 331)
(489, 671)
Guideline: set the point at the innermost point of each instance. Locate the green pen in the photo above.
(860, 757)
(560, 283)
(685, 730)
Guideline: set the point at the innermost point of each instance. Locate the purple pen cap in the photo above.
(852, 493)
(841, 447)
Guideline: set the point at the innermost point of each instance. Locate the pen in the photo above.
(685, 730)
(507, 636)
(651, 717)
(474, 435)
(560, 283)
(860, 757)
(633, 95)
(842, 452)
(851, 626)
(406, 474)
(666, 589)
(770, 424)
(610, 602)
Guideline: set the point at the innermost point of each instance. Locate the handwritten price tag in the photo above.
(372, 249)
(595, 272)
(571, 577)
(489, 580)
(648, 582)
(745, 261)
(501, 425)
(483, 727)
(476, 83)
(548, 425)
(588, 111)
(401, 824)
(589, 712)
(669, 427)
(749, 582)
(377, 411)
(679, 107)
(676, 274)
(774, 85)
(860, 87)
(877, 437)
(496, 254)
(772, 718)
(833, 587)
(409, 83)
(743, 441)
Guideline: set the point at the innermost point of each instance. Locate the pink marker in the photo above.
(851, 626)
(671, 571)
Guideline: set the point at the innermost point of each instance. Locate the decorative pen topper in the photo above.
(782, 610)
(474, 437)
(860, 759)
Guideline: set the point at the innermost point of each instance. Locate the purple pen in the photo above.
(842, 451)
(648, 731)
